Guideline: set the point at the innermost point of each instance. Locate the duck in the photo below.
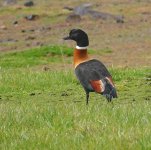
(92, 73)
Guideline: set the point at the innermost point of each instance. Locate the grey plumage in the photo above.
(93, 70)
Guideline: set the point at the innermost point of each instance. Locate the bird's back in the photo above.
(91, 70)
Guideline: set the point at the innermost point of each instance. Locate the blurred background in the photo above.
(119, 28)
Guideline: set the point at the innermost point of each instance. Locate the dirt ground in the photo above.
(129, 43)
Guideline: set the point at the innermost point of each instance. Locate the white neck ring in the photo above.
(81, 48)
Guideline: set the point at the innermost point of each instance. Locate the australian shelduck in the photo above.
(92, 74)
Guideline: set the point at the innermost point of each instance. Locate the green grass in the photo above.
(35, 56)
(47, 110)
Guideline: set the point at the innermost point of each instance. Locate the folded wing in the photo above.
(94, 77)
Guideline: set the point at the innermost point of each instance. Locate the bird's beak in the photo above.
(67, 38)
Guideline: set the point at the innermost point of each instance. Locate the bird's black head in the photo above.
(79, 36)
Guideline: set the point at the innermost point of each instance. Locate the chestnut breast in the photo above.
(80, 56)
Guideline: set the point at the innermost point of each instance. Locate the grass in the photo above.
(35, 56)
(47, 12)
(38, 56)
(46, 109)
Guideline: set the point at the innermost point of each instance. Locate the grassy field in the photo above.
(42, 108)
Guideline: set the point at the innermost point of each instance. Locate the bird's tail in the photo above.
(109, 91)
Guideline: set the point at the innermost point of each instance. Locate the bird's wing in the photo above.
(93, 75)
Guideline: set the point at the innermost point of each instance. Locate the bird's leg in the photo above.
(108, 97)
(87, 98)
